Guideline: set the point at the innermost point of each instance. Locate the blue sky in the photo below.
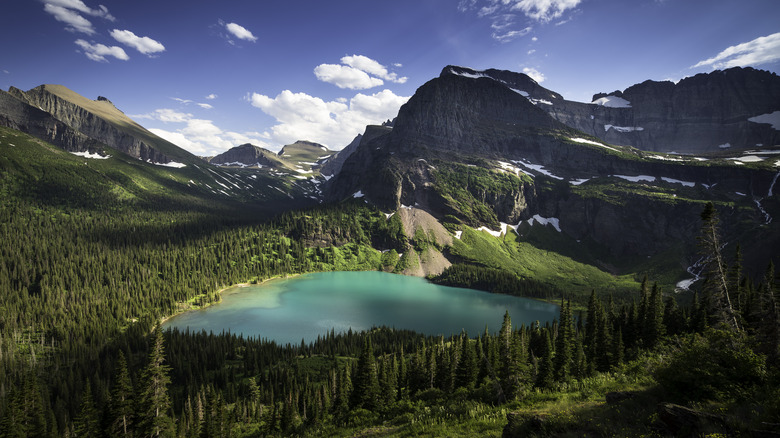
(211, 75)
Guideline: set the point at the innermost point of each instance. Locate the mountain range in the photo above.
(617, 183)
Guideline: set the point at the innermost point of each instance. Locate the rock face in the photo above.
(247, 155)
(18, 115)
(97, 120)
(496, 121)
(703, 113)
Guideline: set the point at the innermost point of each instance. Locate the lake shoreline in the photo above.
(166, 318)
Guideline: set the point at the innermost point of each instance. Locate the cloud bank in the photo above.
(356, 72)
(145, 45)
(69, 12)
(510, 18)
(98, 52)
(761, 50)
(199, 136)
(240, 32)
(333, 124)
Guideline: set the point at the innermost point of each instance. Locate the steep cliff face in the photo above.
(477, 148)
(703, 113)
(21, 116)
(100, 121)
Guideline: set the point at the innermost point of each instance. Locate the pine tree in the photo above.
(466, 372)
(121, 402)
(546, 374)
(718, 281)
(87, 424)
(365, 390)
(154, 404)
(563, 343)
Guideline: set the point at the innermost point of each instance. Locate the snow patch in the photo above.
(595, 143)
(612, 102)
(537, 167)
(701, 159)
(458, 234)
(637, 178)
(169, 164)
(749, 159)
(677, 181)
(88, 155)
(771, 118)
(358, 194)
(576, 182)
(724, 145)
(542, 101)
(658, 157)
(554, 221)
(508, 167)
(623, 128)
(740, 194)
(520, 92)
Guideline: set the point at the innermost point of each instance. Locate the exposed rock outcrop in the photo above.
(100, 121)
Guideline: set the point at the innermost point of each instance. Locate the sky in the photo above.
(212, 75)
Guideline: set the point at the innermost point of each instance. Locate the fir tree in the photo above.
(466, 372)
(718, 282)
(563, 343)
(121, 402)
(365, 384)
(154, 404)
(87, 423)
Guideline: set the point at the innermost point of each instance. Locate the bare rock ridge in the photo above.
(96, 122)
(703, 113)
(247, 155)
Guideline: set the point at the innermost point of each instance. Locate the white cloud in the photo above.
(534, 74)
(510, 35)
(145, 45)
(346, 77)
(211, 96)
(166, 115)
(544, 10)
(334, 124)
(98, 52)
(205, 106)
(69, 12)
(357, 72)
(199, 136)
(504, 14)
(79, 5)
(372, 67)
(74, 22)
(761, 50)
(240, 32)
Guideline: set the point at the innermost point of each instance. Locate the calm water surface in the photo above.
(309, 305)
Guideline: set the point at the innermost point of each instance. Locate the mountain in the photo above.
(733, 108)
(101, 121)
(248, 155)
(140, 165)
(475, 149)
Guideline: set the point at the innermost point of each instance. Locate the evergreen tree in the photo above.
(564, 343)
(87, 424)
(154, 403)
(466, 372)
(121, 402)
(365, 384)
(546, 376)
(718, 282)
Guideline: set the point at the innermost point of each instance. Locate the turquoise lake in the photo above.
(302, 307)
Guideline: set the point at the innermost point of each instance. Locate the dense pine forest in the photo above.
(86, 276)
